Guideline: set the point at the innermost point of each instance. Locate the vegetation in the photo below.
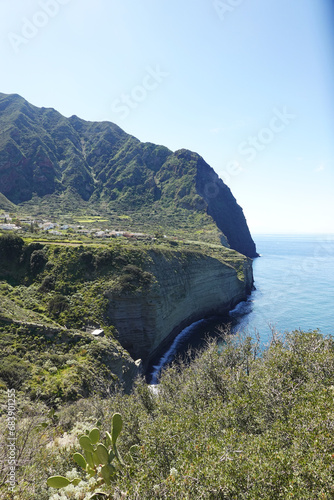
(237, 422)
(54, 365)
(232, 422)
(99, 457)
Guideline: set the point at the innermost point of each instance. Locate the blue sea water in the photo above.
(294, 280)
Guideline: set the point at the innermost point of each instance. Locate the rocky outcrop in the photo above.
(187, 288)
(223, 208)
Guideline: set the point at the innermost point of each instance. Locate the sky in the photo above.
(247, 84)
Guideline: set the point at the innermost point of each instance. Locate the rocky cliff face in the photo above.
(224, 210)
(220, 204)
(141, 295)
(187, 289)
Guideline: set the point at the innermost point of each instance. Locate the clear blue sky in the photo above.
(248, 84)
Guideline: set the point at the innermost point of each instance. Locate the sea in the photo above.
(294, 289)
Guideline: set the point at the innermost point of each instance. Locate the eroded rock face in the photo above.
(187, 288)
(224, 209)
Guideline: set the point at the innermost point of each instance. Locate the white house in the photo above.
(9, 227)
(46, 226)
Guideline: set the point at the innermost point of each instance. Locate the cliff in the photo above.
(186, 289)
(141, 294)
(223, 208)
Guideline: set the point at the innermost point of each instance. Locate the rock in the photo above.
(188, 288)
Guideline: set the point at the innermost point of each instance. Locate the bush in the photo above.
(10, 246)
(37, 261)
(133, 278)
(238, 424)
(57, 304)
(235, 422)
(87, 258)
(48, 284)
(104, 259)
(14, 371)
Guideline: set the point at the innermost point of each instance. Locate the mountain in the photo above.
(96, 165)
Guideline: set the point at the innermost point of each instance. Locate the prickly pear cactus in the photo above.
(61, 482)
(97, 457)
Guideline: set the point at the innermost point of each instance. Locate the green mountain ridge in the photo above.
(97, 166)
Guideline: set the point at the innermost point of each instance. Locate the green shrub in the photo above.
(57, 305)
(14, 371)
(48, 284)
(38, 260)
(133, 277)
(10, 246)
(87, 258)
(236, 422)
(103, 259)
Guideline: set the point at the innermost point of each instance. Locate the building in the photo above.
(9, 227)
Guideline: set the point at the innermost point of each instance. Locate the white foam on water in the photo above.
(168, 356)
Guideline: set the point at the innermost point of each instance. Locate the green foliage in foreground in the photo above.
(98, 457)
(236, 423)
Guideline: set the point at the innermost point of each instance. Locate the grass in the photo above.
(91, 220)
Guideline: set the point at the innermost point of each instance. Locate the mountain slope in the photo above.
(43, 153)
